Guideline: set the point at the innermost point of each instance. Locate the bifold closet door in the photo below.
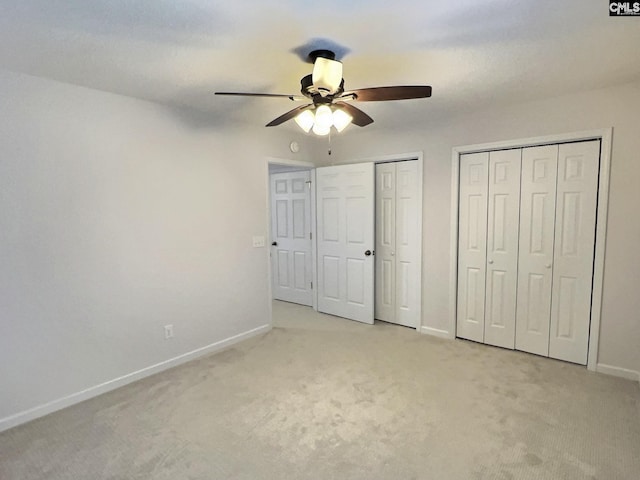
(535, 262)
(575, 227)
(472, 245)
(502, 247)
(488, 246)
(385, 241)
(398, 240)
(527, 224)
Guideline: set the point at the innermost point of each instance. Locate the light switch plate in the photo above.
(258, 241)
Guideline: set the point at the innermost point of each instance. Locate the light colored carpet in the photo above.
(325, 398)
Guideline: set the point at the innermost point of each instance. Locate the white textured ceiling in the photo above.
(474, 53)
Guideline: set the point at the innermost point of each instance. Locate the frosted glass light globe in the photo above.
(326, 76)
(324, 117)
(320, 130)
(341, 119)
(305, 120)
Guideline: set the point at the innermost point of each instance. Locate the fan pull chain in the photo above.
(329, 142)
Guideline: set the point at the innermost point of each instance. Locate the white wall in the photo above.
(613, 107)
(118, 216)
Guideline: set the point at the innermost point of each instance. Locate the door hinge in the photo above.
(311, 285)
(310, 236)
(308, 182)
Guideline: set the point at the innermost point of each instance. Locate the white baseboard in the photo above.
(435, 332)
(618, 372)
(55, 405)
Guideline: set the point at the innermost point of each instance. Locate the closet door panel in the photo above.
(385, 242)
(408, 238)
(472, 245)
(575, 225)
(502, 247)
(535, 257)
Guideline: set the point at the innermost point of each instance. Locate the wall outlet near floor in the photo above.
(168, 332)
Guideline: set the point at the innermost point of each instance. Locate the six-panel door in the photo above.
(345, 240)
(291, 263)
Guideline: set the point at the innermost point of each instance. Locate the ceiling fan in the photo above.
(329, 107)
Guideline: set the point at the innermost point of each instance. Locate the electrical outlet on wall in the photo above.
(168, 332)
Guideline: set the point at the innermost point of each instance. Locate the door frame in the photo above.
(298, 165)
(399, 157)
(605, 136)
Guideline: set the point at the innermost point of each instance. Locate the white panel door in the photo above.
(291, 261)
(385, 308)
(578, 166)
(408, 245)
(502, 247)
(345, 240)
(472, 245)
(398, 269)
(535, 258)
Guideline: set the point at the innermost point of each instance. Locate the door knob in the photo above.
(393, 253)
(548, 265)
(367, 253)
(490, 261)
(275, 244)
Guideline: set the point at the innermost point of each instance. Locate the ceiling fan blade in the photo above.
(360, 118)
(270, 95)
(379, 94)
(288, 116)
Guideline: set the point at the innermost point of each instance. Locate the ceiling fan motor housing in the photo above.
(309, 90)
(328, 54)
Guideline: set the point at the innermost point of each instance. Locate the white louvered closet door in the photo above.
(535, 262)
(502, 247)
(575, 228)
(472, 245)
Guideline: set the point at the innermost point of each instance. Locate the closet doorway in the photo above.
(528, 235)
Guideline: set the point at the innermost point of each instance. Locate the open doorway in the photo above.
(369, 242)
(291, 229)
(338, 276)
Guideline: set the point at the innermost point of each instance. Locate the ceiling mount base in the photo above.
(328, 54)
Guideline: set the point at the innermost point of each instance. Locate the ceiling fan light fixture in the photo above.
(327, 75)
(305, 120)
(324, 117)
(341, 119)
(320, 130)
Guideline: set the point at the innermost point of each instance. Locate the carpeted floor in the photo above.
(325, 398)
